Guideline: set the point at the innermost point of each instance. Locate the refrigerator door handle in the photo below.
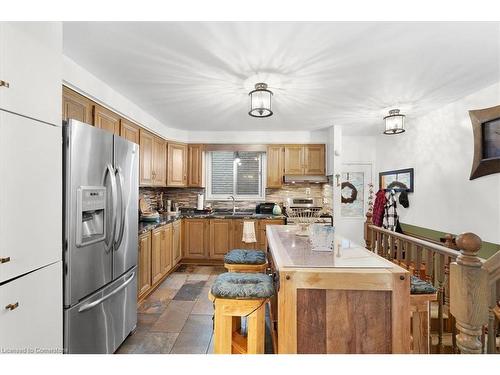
(91, 305)
(110, 171)
(122, 213)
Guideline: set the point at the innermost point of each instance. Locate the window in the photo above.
(235, 173)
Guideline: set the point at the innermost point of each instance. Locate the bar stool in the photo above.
(242, 260)
(421, 294)
(237, 295)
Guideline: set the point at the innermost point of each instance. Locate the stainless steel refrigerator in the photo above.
(101, 187)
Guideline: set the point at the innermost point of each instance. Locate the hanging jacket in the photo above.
(379, 208)
(390, 214)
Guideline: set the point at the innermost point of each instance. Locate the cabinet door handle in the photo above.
(12, 306)
(4, 260)
(4, 84)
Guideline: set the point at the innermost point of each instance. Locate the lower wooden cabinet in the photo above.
(261, 233)
(166, 253)
(220, 237)
(196, 235)
(157, 248)
(144, 260)
(176, 242)
(237, 235)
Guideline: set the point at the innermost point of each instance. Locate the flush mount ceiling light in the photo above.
(260, 101)
(394, 122)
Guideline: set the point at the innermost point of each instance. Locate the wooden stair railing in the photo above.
(468, 286)
(427, 260)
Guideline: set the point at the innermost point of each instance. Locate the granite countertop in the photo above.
(145, 226)
(292, 251)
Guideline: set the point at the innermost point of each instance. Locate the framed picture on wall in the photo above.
(486, 128)
(399, 180)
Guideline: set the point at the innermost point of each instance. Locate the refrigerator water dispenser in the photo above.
(91, 211)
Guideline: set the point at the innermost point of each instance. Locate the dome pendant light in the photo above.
(260, 101)
(394, 122)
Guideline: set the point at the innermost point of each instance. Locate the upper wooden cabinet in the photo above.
(275, 167)
(304, 160)
(220, 237)
(129, 131)
(107, 120)
(177, 164)
(196, 235)
(195, 165)
(152, 159)
(314, 159)
(76, 107)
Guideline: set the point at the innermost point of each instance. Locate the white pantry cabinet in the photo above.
(31, 312)
(31, 66)
(30, 195)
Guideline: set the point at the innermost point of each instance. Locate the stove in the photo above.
(305, 203)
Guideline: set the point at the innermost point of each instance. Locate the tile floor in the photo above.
(177, 317)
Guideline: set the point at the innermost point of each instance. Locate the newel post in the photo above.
(468, 294)
(368, 237)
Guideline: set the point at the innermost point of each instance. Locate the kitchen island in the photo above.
(357, 302)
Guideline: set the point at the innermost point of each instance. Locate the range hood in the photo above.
(291, 179)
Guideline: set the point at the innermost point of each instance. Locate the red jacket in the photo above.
(378, 208)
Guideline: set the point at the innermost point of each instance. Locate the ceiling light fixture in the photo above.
(394, 122)
(260, 101)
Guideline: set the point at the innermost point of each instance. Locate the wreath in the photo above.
(354, 192)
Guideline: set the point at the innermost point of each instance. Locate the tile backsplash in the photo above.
(187, 197)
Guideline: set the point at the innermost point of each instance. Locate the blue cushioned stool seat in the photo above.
(419, 286)
(243, 286)
(242, 256)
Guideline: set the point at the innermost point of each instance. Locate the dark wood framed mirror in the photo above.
(486, 129)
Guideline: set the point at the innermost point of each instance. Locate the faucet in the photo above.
(234, 203)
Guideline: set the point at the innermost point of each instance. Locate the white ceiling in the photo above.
(197, 76)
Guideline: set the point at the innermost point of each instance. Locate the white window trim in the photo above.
(223, 197)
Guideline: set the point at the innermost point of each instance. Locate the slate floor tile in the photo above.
(157, 343)
(195, 336)
(174, 281)
(152, 306)
(174, 317)
(189, 291)
(198, 277)
(203, 305)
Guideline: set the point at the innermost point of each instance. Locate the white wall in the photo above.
(440, 148)
(258, 137)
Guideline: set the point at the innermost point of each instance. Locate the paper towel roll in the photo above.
(199, 205)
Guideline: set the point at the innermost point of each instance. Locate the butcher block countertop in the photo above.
(357, 302)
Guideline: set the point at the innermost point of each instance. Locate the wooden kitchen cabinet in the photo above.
(275, 166)
(220, 238)
(177, 164)
(304, 159)
(129, 131)
(261, 234)
(76, 106)
(152, 159)
(176, 242)
(159, 161)
(196, 233)
(106, 119)
(166, 253)
(237, 234)
(314, 159)
(157, 247)
(144, 264)
(195, 165)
